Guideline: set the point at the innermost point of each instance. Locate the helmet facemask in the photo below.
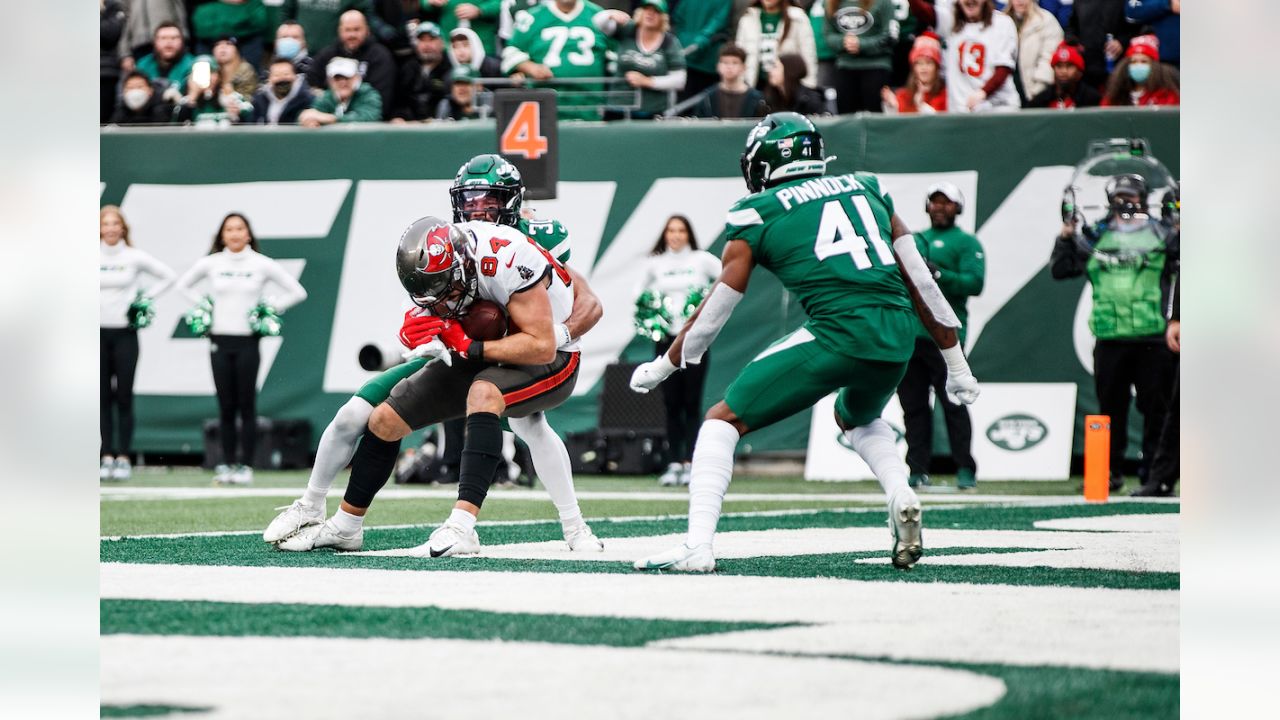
(488, 203)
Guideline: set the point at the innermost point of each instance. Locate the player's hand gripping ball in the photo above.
(485, 320)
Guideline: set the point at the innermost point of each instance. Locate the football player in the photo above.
(827, 239)
(487, 187)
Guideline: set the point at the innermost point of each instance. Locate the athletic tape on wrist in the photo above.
(715, 312)
(918, 271)
(957, 364)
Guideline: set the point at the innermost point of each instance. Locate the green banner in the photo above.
(331, 204)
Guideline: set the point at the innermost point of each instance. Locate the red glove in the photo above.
(455, 338)
(419, 329)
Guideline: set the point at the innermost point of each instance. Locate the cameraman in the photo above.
(1130, 260)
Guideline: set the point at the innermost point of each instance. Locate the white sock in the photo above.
(463, 518)
(551, 463)
(712, 471)
(878, 446)
(337, 445)
(346, 523)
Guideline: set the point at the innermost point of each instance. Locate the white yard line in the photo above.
(257, 677)
(1078, 627)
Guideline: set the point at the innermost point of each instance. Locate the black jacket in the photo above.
(753, 105)
(807, 101)
(1084, 96)
(1091, 22)
(111, 27)
(155, 112)
(293, 107)
(418, 94)
(379, 69)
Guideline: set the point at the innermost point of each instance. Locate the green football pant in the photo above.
(796, 372)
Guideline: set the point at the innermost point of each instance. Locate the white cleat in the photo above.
(671, 477)
(904, 520)
(122, 470)
(222, 474)
(107, 468)
(581, 539)
(315, 537)
(681, 558)
(241, 475)
(450, 540)
(294, 518)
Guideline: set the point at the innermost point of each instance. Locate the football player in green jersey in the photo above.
(487, 187)
(560, 39)
(827, 239)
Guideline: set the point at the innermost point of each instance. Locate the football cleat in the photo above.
(294, 518)
(450, 540)
(904, 520)
(122, 470)
(671, 477)
(326, 535)
(581, 539)
(222, 474)
(107, 467)
(681, 558)
(686, 474)
(241, 475)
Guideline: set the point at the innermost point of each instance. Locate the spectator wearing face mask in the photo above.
(1067, 90)
(283, 97)
(347, 99)
(235, 69)
(1141, 79)
(291, 44)
(140, 104)
(1165, 19)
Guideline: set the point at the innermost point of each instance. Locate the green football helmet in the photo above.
(782, 146)
(482, 178)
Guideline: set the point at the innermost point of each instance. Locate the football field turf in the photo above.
(1027, 603)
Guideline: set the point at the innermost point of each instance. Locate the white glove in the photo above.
(962, 386)
(434, 349)
(651, 374)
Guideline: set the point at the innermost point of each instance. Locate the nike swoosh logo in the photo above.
(513, 259)
(435, 553)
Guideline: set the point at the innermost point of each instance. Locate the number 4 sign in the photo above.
(528, 136)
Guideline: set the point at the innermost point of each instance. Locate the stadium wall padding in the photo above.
(332, 203)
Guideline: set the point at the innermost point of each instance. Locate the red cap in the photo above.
(1067, 53)
(927, 45)
(1148, 45)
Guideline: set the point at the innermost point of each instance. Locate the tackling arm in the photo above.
(587, 309)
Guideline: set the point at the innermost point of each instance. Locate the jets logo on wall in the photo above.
(1017, 432)
(854, 20)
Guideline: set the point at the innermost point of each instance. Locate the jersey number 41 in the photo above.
(837, 236)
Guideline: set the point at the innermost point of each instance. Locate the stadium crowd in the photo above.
(318, 62)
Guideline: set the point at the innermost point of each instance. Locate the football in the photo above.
(485, 320)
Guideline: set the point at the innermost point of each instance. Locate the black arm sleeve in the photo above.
(1067, 260)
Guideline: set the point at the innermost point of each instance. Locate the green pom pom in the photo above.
(140, 312)
(264, 321)
(652, 320)
(199, 319)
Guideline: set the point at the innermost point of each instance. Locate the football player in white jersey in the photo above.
(444, 267)
(982, 51)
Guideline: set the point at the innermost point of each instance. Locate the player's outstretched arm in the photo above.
(705, 323)
(935, 312)
(587, 309)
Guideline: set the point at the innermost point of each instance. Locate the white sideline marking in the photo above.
(1140, 552)
(1078, 627)
(381, 678)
